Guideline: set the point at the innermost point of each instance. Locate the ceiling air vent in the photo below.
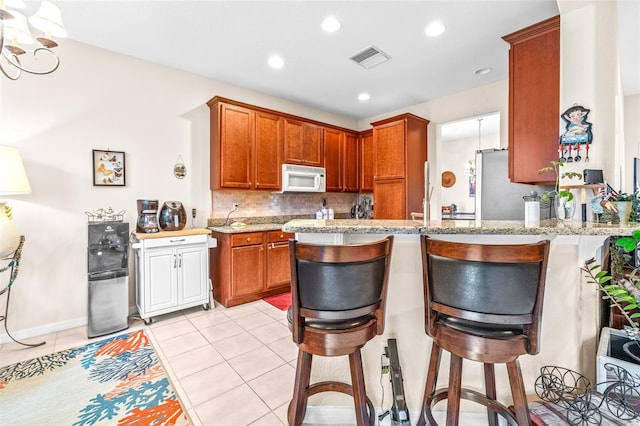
(370, 57)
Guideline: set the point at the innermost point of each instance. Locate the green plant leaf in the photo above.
(630, 307)
(635, 315)
(605, 279)
(627, 243)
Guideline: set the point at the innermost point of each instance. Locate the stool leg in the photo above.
(357, 385)
(455, 383)
(298, 405)
(490, 387)
(432, 377)
(518, 393)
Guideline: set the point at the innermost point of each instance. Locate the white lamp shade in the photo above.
(15, 4)
(48, 19)
(16, 29)
(13, 177)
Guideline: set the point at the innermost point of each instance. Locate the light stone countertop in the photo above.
(497, 227)
(256, 227)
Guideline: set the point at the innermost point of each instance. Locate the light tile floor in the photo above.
(230, 367)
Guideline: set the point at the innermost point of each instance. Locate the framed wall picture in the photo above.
(108, 168)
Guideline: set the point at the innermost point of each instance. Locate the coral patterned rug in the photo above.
(115, 381)
(281, 301)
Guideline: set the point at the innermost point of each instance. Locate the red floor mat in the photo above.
(281, 301)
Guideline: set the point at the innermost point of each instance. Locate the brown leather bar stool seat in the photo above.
(338, 296)
(483, 303)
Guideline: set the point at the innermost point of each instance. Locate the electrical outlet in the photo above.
(235, 206)
(384, 362)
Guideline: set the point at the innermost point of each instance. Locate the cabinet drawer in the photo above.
(277, 236)
(178, 240)
(247, 239)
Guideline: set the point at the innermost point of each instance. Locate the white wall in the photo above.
(631, 136)
(482, 100)
(101, 100)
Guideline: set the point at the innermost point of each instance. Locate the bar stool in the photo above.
(338, 296)
(482, 303)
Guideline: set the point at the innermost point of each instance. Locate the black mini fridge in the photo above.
(108, 274)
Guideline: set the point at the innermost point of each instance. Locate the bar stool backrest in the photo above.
(339, 282)
(490, 288)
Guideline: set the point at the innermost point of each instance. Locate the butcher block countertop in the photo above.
(169, 234)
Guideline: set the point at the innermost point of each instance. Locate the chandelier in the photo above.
(15, 37)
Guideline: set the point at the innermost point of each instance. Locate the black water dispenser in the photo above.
(108, 274)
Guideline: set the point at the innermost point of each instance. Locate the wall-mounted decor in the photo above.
(448, 179)
(577, 134)
(108, 168)
(179, 169)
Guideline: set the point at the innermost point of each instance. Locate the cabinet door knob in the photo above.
(175, 260)
(248, 239)
(281, 235)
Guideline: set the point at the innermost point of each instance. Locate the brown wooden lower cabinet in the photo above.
(248, 266)
(392, 192)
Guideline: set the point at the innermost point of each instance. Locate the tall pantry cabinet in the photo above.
(399, 153)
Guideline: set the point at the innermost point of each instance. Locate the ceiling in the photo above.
(230, 41)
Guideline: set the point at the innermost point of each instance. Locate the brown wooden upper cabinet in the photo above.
(246, 147)
(341, 160)
(303, 143)
(399, 153)
(365, 165)
(534, 100)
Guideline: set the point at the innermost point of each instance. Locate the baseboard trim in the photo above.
(42, 330)
(343, 415)
(29, 333)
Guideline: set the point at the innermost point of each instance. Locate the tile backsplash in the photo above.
(262, 203)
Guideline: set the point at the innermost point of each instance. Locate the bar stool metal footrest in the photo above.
(470, 395)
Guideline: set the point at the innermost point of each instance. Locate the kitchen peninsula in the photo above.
(571, 314)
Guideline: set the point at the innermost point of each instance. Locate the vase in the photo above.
(564, 208)
(624, 210)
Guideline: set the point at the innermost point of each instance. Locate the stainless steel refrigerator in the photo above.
(497, 198)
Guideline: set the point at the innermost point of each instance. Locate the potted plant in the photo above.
(564, 203)
(622, 291)
(624, 203)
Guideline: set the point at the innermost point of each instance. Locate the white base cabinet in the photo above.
(172, 273)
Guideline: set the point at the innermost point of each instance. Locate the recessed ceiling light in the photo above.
(482, 71)
(364, 97)
(276, 61)
(331, 24)
(434, 29)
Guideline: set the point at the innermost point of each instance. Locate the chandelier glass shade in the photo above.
(19, 50)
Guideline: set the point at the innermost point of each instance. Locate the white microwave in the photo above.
(303, 178)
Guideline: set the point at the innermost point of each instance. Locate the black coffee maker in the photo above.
(147, 216)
